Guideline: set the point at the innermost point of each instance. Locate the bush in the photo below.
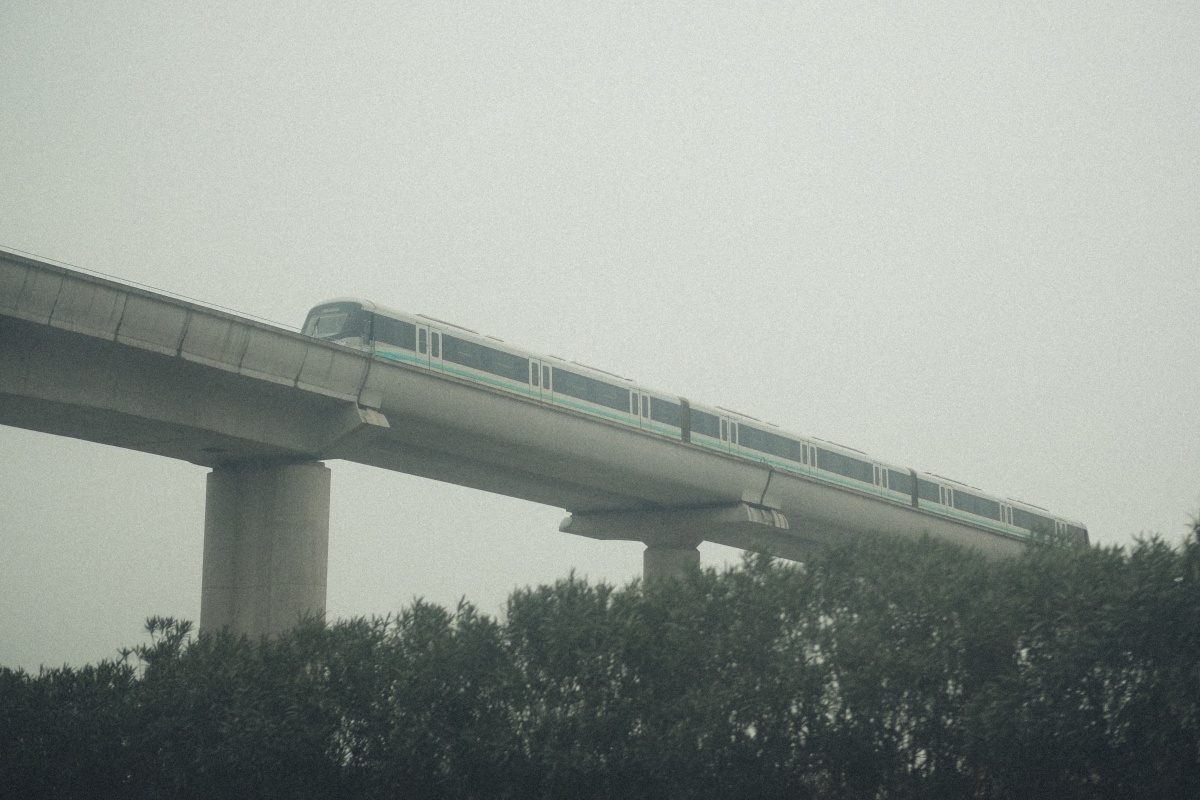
(883, 669)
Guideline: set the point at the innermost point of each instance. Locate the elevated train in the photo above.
(448, 349)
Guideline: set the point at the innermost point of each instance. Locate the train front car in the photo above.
(345, 322)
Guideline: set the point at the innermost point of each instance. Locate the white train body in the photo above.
(561, 433)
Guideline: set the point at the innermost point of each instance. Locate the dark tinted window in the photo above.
(395, 332)
(485, 359)
(337, 321)
(979, 506)
(533, 374)
(773, 443)
(435, 345)
(706, 424)
(845, 465)
(666, 412)
(1032, 522)
(594, 391)
(900, 482)
(928, 490)
(1077, 534)
(421, 336)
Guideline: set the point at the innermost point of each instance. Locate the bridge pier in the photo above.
(668, 560)
(266, 546)
(671, 536)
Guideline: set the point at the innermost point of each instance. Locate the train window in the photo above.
(336, 321)
(1077, 534)
(435, 345)
(590, 389)
(421, 335)
(645, 406)
(773, 443)
(633, 403)
(928, 490)
(666, 412)
(533, 373)
(724, 431)
(485, 359)
(979, 506)
(845, 465)
(396, 332)
(328, 325)
(706, 424)
(1031, 522)
(546, 378)
(900, 482)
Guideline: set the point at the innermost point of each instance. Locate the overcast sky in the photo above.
(962, 236)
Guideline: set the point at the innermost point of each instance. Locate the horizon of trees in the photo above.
(885, 668)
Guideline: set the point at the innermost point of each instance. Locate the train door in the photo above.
(726, 431)
(729, 433)
(535, 377)
(435, 347)
(946, 496)
(429, 345)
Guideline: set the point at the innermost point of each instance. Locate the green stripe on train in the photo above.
(737, 450)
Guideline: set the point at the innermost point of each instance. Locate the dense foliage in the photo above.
(885, 669)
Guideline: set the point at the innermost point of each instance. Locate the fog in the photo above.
(964, 239)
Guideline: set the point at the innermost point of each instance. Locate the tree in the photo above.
(883, 669)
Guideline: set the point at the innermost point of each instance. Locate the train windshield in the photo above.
(335, 321)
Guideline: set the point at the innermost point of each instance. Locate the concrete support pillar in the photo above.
(672, 535)
(668, 561)
(266, 546)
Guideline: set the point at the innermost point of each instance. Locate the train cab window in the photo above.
(327, 325)
(928, 490)
(338, 321)
(422, 334)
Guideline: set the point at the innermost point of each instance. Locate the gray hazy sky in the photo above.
(964, 236)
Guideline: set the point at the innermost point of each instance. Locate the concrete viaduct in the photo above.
(264, 407)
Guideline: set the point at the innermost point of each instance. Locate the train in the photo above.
(447, 349)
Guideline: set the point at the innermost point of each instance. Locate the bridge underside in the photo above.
(266, 525)
(263, 407)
